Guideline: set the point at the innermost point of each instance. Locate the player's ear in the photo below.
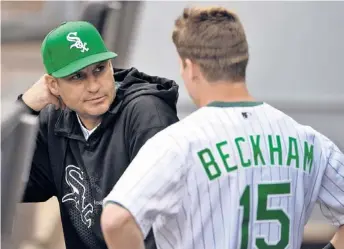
(181, 63)
(52, 84)
(193, 69)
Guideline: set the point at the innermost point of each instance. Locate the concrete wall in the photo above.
(24, 21)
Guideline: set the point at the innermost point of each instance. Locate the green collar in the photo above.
(234, 104)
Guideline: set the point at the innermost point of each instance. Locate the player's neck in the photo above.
(225, 92)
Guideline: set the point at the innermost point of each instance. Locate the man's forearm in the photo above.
(338, 239)
(120, 229)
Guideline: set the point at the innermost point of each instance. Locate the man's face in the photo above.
(89, 91)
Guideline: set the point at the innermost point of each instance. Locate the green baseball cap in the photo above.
(71, 47)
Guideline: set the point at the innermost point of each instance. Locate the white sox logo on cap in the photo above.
(72, 37)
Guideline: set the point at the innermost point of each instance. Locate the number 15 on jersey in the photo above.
(264, 214)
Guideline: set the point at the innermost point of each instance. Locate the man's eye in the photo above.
(77, 76)
(99, 69)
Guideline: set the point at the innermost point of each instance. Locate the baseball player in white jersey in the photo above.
(235, 174)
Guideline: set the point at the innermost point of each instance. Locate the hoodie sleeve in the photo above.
(149, 115)
(40, 185)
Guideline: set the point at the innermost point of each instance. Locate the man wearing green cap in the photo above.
(93, 121)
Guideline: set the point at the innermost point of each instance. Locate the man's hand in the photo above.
(39, 96)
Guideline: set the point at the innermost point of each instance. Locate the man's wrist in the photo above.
(30, 110)
(329, 246)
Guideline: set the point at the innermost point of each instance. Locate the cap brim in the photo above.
(82, 63)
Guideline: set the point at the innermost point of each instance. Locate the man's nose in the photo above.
(93, 84)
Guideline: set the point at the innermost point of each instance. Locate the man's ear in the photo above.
(52, 84)
(111, 66)
(193, 69)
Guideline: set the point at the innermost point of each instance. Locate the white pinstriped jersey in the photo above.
(233, 176)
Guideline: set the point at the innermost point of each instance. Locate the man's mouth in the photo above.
(96, 99)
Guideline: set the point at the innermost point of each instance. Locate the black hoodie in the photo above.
(81, 173)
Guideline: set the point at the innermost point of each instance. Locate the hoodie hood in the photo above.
(132, 84)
